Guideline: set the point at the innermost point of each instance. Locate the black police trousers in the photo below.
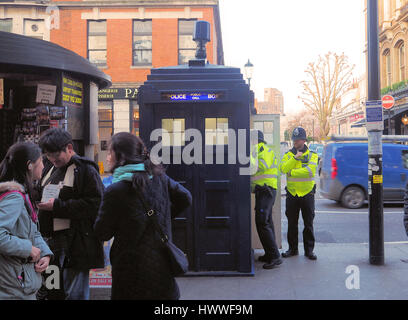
(307, 205)
(264, 201)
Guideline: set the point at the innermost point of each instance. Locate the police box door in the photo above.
(206, 231)
(175, 121)
(216, 223)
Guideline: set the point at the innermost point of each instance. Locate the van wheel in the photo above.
(353, 198)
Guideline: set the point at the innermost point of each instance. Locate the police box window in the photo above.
(6, 25)
(216, 131)
(97, 42)
(173, 133)
(186, 45)
(142, 42)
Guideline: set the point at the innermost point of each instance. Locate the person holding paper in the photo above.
(71, 191)
(24, 255)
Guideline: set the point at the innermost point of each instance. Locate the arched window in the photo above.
(401, 61)
(387, 65)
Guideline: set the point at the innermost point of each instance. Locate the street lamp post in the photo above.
(375, 179)
(249, 69)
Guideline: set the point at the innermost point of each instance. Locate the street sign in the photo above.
(388, 102)
(374, 115)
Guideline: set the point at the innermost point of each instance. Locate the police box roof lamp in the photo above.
(201, 37)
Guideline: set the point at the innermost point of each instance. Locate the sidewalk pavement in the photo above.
(299, 278)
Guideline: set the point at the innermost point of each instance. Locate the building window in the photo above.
(267, 129)
(186, 45)
(97, 42)
(216, 131)
(34, 28)
(174, 134)
(142, 42)
(105, 114)
(134, 118)
(401, 59)
(6, 25)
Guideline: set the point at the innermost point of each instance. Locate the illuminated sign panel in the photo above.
(191, 96)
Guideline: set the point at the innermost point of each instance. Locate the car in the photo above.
(344, 173)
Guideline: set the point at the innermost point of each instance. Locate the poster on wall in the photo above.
(72, 92)
(46, 94)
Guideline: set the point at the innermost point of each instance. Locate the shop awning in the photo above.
(359, 124)
(20, 53)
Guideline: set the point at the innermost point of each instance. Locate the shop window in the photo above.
(97, 51)
(34, 28)
(175, 132)
(186, 45)
(267, 129)
(6, 25)
(142, 42)
(216, 131)
(105, 114)
(134, 119)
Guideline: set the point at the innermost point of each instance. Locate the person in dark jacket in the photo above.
(140, 267)
(66, 221)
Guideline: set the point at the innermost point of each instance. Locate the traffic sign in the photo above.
(388, 102)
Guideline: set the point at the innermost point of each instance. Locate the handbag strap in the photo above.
(153, 217)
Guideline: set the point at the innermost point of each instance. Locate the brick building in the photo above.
(125, 39)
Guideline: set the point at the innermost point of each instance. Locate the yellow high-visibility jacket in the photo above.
(300, 174)
(267, 172)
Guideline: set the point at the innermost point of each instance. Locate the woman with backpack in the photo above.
(24, 255)
(140, 192)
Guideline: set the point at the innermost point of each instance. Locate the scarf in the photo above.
(125, 173)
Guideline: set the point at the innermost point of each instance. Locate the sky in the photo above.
(280, 37)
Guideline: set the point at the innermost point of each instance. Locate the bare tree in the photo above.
(305, 120)
(328, 79)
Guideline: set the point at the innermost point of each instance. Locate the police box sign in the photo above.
(374, 115)
(191, 96)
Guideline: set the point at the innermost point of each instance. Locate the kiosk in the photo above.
(43, 85)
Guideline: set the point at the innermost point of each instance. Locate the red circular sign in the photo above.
(388, 102)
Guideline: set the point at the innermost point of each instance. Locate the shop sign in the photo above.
(117, 93)
(46, 94)
(72, 92)
(356, 117)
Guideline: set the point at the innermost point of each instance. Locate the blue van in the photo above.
(344, 173)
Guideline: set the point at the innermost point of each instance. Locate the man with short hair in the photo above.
(264, 183)
(299, 164)
(67, 220)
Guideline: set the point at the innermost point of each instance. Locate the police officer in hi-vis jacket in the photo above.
(299, 164)
(264, 183)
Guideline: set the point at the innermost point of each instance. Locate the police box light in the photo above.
(191, 96)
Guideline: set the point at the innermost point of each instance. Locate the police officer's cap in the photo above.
(299, 134)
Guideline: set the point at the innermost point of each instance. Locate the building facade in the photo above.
(125, 39)
(393, 37)
(274, 98)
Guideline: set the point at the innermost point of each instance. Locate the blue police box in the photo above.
(196, 119)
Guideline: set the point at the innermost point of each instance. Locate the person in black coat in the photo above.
(140, 266)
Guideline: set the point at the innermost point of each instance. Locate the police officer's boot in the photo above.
(290, 253)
